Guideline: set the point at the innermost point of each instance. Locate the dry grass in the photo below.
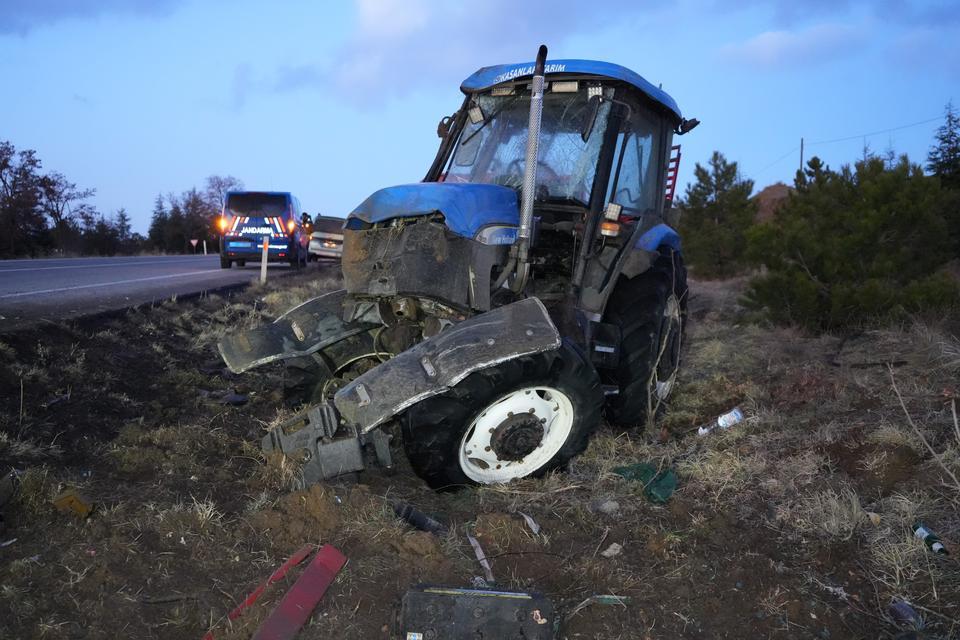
(769, 520)
(837, 514)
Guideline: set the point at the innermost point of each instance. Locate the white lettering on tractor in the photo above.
(517, 72)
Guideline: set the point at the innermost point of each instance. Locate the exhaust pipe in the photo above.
(521, 252)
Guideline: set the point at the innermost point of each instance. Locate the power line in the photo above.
(788, 153)
(845, 139)
(874, 133)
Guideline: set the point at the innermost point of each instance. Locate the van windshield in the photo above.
(265, 205)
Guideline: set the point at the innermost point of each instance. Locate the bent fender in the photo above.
(301, 331)
(438, 363)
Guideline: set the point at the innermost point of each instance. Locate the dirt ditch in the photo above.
(793, 524)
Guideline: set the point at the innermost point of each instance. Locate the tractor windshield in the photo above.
(492, 146)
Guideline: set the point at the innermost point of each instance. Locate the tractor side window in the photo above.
(635, 188)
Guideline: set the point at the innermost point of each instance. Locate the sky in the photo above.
(334, 100)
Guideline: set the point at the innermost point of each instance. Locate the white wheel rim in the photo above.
(478, 458)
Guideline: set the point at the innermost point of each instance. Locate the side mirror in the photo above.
(593, 108)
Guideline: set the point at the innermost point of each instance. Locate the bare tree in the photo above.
(21, 221)
(62, 201)
(216, 188)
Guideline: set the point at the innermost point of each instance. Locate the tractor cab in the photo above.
(603, 171)
(605, 133)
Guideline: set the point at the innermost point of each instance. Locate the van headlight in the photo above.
(497, 234)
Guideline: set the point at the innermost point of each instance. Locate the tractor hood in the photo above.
(466, 208)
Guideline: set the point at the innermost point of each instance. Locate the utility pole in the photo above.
(801, 154)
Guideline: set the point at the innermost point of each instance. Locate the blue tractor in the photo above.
(493, 312)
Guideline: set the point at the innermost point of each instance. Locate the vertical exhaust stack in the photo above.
(522, 246)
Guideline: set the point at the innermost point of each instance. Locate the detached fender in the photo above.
(438, 363)
(301, 331)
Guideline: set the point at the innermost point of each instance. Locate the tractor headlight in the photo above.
(497, 234)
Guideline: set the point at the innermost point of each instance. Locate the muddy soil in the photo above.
(794, 524)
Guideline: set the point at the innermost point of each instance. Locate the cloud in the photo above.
(401, 45)
(22, 16)
(790, 12)
(776, 49)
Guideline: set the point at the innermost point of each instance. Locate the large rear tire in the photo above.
(523, 417)
(651, 312)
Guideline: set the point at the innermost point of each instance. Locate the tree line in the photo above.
(871, 241)
(44, 213)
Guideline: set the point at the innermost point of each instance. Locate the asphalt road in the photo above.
(53, 289)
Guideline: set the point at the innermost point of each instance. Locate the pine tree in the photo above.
(861, 244)
(158, 225)
(944, 157)
(717, 211)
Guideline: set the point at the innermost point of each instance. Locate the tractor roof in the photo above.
(489, 76)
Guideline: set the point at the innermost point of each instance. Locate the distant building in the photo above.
(770, 199)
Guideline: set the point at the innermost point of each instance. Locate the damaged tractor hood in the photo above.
(467, 208)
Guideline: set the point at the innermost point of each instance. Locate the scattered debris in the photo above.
(608, 507)
(57, 400)
(534, 527)
(8, 488)
(276, 576)
(174, 597)
(234, 399)
(602, 599)
(296, 606)
(482, 559)
(903, 613)
(71, 501)
(407, 512)
(224, 396)
(613, 550)
(466, 614)
(7, 543)
(477, 582)
(658, 484)
(930, 539)
(725, 421)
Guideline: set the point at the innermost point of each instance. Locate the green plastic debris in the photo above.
(658, 486)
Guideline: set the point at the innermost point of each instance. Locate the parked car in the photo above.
(326, 241)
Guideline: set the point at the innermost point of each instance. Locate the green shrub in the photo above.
(855, 245)
(715, 215)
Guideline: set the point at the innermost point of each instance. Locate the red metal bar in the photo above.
(297, 605)
(276, 576)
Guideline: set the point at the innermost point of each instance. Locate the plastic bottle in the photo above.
(727, 420)
(929, 538)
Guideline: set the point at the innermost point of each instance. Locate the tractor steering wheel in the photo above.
(515, 167)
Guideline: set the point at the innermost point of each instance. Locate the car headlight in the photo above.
(497, 234)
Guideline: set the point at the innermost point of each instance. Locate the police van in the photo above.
(250, 217)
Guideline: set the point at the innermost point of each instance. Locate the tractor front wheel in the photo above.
(523, 417)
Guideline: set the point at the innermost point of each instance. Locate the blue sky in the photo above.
(333, 100)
